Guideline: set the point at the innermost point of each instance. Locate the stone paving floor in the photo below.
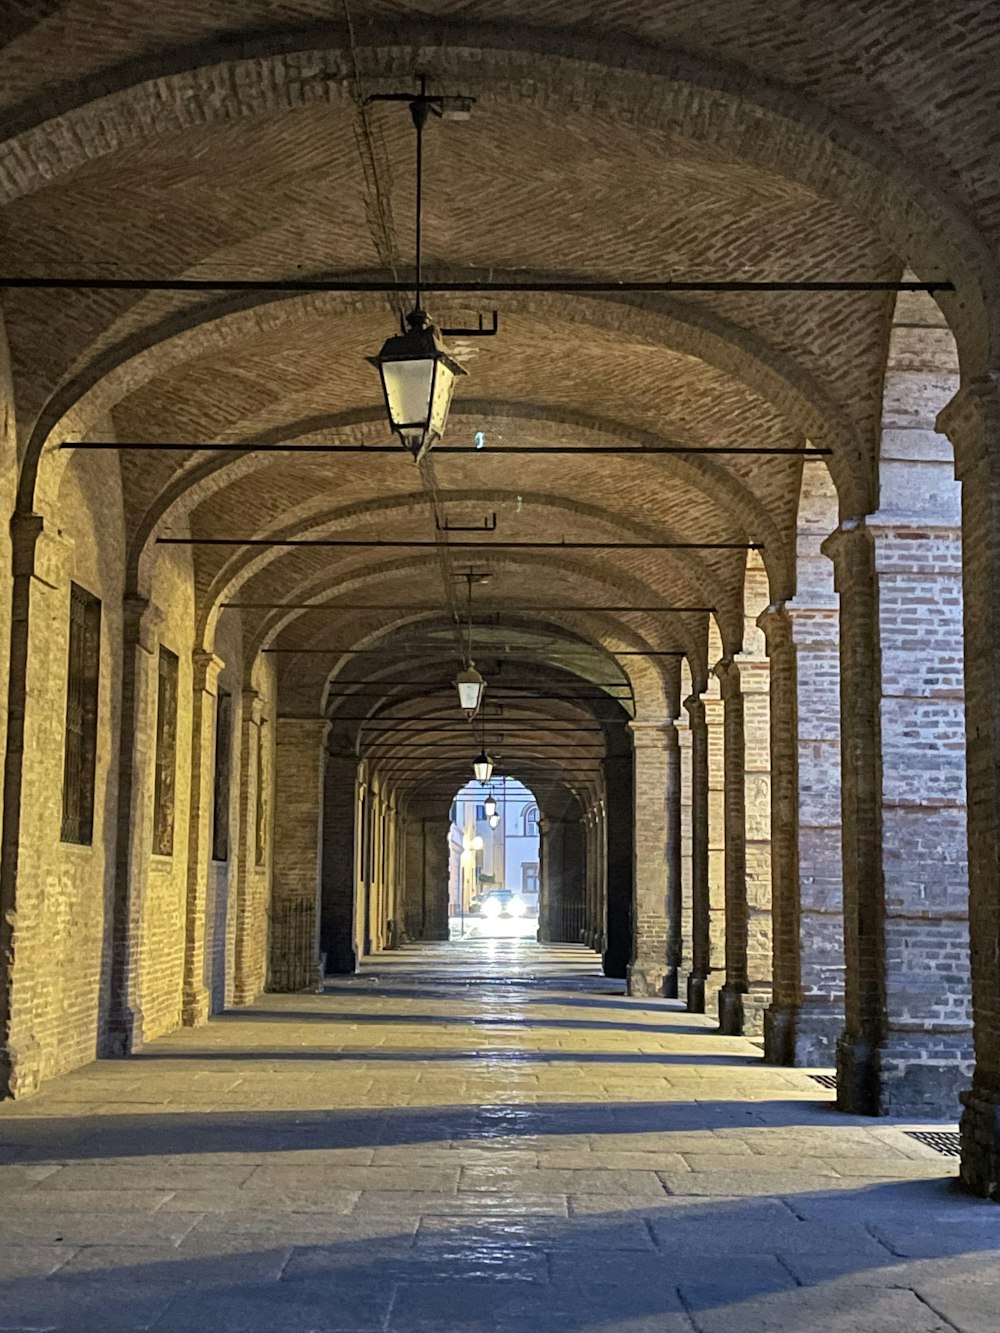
(484, 1137)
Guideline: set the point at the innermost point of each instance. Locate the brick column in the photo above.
(806, 1015)
(972, 422)
(716, 844)
(618, 864)
(674, 946)
(250, 926)
(755, 683)
(858, 1083)
(435, 878)
(550, 888)
(295, 894)
(731, 996)
(684, 939)
(601, 877)
(196, 1003)
(140, 625)
(700, 901)
(40, 592)
(648, 962)
(340, 802)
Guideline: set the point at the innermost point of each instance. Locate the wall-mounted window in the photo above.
(80, 757)
(223, 752)
(165, 782)
(529, 877)
(531, 821)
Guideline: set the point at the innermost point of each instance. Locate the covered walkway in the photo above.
(478, 1136)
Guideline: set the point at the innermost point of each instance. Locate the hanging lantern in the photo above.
(490, 806)
(418, 378)
(470, 685)
(483, 766)
(494, 820)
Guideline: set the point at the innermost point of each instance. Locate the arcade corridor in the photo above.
(476, 1136)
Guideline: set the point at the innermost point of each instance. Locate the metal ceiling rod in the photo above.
(415, 648)
(430, 606)
(464, 546)
(174, 446)
(580, 286)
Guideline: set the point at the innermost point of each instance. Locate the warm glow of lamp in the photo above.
(494, 820)
(490, 806)
(418, 376)
(483, 766)
(470, 685)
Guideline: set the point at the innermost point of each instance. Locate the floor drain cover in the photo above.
(825, 1080)
(946, 1141)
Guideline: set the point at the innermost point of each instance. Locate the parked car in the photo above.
(502, 903)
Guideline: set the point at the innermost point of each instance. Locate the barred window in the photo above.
(223, 751)
(165, 786)
(80, 759)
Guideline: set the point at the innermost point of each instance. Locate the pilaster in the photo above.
(651, 742)
(196, 1002)
(700, 899)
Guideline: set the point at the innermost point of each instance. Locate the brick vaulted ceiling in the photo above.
(210, 139)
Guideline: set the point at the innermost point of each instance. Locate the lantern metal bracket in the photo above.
(489, 524)
(480, 332)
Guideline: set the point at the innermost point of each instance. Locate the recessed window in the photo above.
(531, 822)
(223, 752)
(165, 786)
(80, 758)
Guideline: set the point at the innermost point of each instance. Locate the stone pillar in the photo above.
(618, 864)
(648, 964)
(336, 930)
(123, 1032)
(858, 1083)
(250, 926)
(196, 1001)
(731, 997)
(601, 877)
(700, 900)
(972, 422)
(295, 894)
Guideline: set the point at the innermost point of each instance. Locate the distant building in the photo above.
(481, 858)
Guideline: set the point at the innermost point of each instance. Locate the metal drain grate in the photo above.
(948, 1142)
(825, 1080)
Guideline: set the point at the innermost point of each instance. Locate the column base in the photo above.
(803, 1035)
(646, 982)
(857, 1075)
(671, 984)
(695, 994)
(20, 1068)
(980, 1128)
(924, 1074)
(196, 1008)
(123, 1035)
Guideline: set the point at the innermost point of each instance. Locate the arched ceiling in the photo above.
(216, 169)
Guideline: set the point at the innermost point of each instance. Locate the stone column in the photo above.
(618, 864)
(648, 963)
(336, 931)
(731, 997)
(295, 895)
(858, 1082)
(196, 1002)
(684, 941)
(972, 422)
(250, 924)
(700, 900)
(550, 887)
(601, 877)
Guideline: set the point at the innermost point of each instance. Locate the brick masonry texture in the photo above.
(780, 808)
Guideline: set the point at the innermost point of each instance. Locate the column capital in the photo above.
(25, 529)
(142, 622)
(302, 730)
(851, 548)
(694, 706)
(776, 624)
(253, 706)
(727, 672)
(205, 674)
(653, 735)
(971, 420)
